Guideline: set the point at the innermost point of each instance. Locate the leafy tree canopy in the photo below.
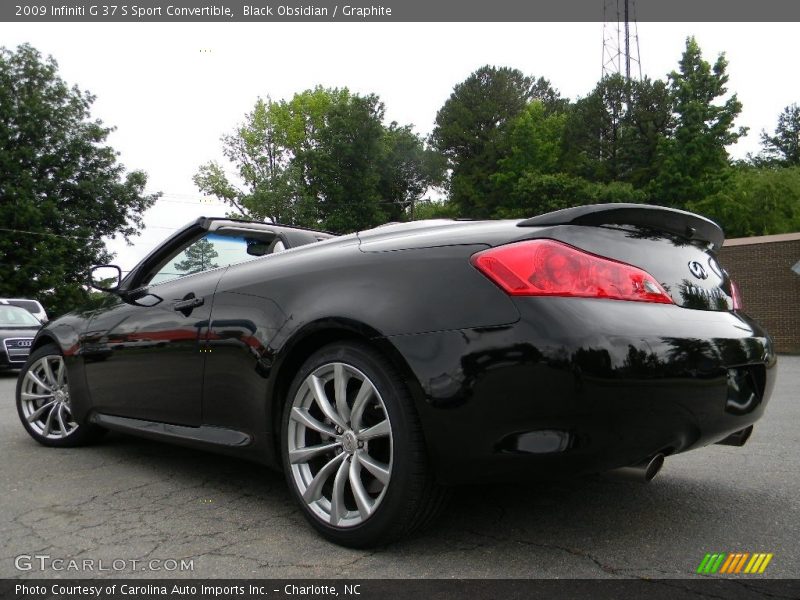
(61, 187)
(613, 133)
(323, 159)
(783, 148)
(471, 131)
(511, 146)
(758, 201)
(694, 160)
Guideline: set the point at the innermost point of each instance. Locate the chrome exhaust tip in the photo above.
(738, 438)
(644, 471)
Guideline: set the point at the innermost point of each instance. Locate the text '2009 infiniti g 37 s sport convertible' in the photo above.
(379, 368)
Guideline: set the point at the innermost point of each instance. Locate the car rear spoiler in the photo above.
(670, 220)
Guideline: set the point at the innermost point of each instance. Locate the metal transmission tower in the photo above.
(620, 38)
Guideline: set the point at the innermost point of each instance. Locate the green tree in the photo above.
(613, 133)
(408, 170)
(783, 148)
(62, 189)
(593, 131)
(534, 144)
(531, 179)
(323, 159)
(470, 131)
(198, 257)
(299, 124)
(435, 209)
(343, 170)
(758, 201)
(537, 193)
(262, 163)
(694, 162)
(648, 121)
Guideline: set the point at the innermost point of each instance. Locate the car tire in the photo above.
(358, 467)
(43, 402)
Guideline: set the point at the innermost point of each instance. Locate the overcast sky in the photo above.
(173, 89)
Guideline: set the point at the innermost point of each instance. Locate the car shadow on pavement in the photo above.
(599, 526)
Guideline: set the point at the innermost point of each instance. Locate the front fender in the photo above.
(64, 332)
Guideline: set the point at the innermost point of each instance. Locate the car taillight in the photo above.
(736, 295)
(550, 268)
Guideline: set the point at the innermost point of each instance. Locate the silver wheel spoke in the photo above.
(60, 414)
(340, 389)
(363, 500)
(360, 403)
(322, 401)
(379, 470)
(60, 373)
(29, 396)
(48, 373)
(48, 426)
(382, 429)
(40, 411)
(38, 381)
(314, 489)
(303, 455)
(301, 415)
(338, 508)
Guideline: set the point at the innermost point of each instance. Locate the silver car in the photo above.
(32, 306)
(18, 327)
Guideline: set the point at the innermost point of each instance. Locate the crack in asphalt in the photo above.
(548, 546)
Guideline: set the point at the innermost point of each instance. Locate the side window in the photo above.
(209, 252)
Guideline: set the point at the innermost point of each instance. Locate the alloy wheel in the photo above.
(45, 400)
(340, 445)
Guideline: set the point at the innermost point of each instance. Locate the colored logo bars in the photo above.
(734, 562)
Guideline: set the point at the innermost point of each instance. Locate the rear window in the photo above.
(28, 305)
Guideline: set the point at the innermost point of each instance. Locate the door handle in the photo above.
(188, 304)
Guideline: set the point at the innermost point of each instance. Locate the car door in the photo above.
(146, 362)
(144, 356)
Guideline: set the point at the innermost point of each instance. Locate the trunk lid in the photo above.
(676, 247)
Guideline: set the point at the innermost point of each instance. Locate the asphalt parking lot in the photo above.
(129, 499)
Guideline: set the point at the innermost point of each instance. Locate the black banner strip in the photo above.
(108, 11)
(741, 588)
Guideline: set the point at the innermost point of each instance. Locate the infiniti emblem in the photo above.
(350, 442)
(696, 269)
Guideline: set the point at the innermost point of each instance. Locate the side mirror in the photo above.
(105, 278)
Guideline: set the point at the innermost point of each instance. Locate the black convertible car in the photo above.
(377, 369)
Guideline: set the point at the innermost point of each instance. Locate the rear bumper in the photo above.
(581, 385)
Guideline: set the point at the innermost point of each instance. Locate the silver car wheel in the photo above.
(45, 400)
(340, 445)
